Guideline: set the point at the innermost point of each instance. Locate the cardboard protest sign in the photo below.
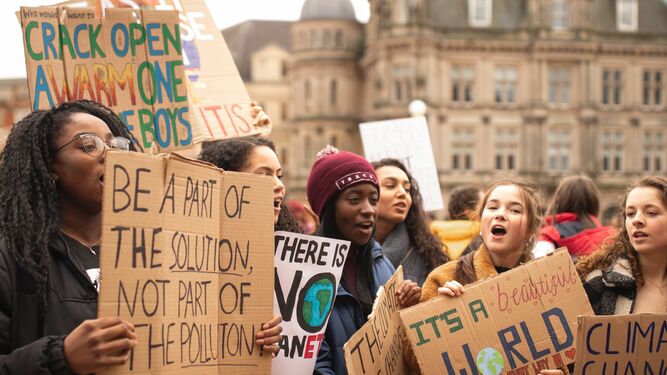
(186, 257)
(622, 344)
(308, 270)
(377, 347)
(130, 61)
(219, 102)
(519, 322)
(407, 140)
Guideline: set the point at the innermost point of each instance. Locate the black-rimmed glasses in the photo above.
(95, 146)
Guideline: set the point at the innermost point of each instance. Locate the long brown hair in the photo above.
(579, 195)
(424, 242)
(620, 247)
(465, 272)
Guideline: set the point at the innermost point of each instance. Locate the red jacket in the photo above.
(568, 231)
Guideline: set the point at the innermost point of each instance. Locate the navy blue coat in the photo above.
(347, 317)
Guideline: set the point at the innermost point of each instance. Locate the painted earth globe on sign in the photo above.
(317, 302)
(490, 362)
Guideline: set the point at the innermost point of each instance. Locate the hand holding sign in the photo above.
(270, 335)
(408, 293)
(451, 289)
(99, 343)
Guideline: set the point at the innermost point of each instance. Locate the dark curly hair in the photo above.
(421, 238)
(29, 212)
(620, 247)
(233, 155)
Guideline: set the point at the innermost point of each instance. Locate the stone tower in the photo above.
(325, 79)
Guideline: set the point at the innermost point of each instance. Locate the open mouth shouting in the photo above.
(401, 206)
(498, 231)
(277, 200)
(365, 227)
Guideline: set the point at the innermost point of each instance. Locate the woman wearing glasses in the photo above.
(51, 180)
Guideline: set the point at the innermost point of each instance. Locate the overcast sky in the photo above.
(225, 12)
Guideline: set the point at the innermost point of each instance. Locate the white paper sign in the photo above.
(308, 270)
(408, 141)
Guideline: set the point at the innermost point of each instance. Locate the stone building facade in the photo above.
(534, 88)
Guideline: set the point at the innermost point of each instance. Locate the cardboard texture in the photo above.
(519, 322)
(218, 100)
(407, 140)
(377, 347)
(622, 344)
(186, 257)
(308, 270)
(129, 63)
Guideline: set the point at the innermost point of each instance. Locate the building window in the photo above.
(339, 38)
(559, 14)
(507, 144)
(612, 151)
(402, 83)
(463, 81)
(558, 152)
(308, 150)
(626, 15)
(283, 156)
(307, 90)
(654, 151)
(333, 93)
(479, 12)
(463, 148)
(505, 89)
(652, 88)
(559, 86)
(312, 41)
(612, 87)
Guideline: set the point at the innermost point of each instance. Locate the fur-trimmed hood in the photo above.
(481, 262)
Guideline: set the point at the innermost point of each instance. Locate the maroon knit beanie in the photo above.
(335, 171)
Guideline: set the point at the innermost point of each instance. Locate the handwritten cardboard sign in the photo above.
(519, 322)
(622, 344)
(407, 140)
(377, 347)
(307, 270)
(219, 102)
(186, 257)
(130, 60)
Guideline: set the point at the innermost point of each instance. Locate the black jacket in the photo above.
(28, 344)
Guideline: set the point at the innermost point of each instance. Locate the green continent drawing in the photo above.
(490, 362)
(317, 302)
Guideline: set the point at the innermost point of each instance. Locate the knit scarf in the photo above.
(396, 248)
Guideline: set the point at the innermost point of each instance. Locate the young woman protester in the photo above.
(254, 155)
(52, 176)
(509, 216)
(629, 274)
(572, 221)
(343, 191)
(401, 226)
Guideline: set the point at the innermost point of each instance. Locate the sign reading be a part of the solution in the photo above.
(519, 322)
(187, 258)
